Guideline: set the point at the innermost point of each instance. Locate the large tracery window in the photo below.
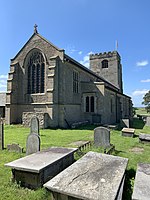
(36, 73)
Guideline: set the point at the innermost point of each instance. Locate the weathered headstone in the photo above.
(1, 134)
(33, 143)
(148, 121)
(102, 137)
(33, 139)
(95, 176)
(15, 148)
(34, 126)
(141, 189)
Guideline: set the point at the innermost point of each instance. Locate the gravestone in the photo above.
(102, 137)
(15, 148)
(95, 176)
(33, 139)
(34, 126)
(1, 134)
(148, 121)
(141, 189)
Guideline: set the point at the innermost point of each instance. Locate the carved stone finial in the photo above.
(35, 28)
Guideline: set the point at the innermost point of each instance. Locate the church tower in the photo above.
(108, 66)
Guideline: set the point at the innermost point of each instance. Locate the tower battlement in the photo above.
(104, 55)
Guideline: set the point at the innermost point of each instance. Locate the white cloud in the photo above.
(139, 92)
(3, 82)
(3, 76)
(3, 85)
(80, 52)
(145, 81)
(85, 60)
(142, 63)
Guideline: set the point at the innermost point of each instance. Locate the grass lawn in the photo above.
(141, 111)
(125, 147)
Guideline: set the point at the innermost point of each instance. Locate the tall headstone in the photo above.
(33, 139)
(102, 137)
(1, 134)
(34, 126)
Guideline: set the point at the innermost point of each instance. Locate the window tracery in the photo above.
(36, 73)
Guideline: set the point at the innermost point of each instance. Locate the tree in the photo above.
(146, 101)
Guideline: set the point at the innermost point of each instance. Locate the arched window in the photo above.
(36, 73)
(105, 64)
(90, 104)
(87, 104)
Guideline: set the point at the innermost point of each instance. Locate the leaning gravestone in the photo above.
(102, 137)
(1, 134)
(14, 148)
(33, 139)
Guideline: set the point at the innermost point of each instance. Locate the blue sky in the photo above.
(81, 27)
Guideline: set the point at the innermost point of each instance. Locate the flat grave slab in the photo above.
(128, 132)
(34, 170)
(141, 188)
(95, 176)
(144, 138)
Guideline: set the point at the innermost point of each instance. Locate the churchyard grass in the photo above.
(124, 146)
(141, 111)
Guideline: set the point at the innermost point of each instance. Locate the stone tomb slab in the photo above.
(141, 189)
(34, 170)
(144, 138)
(128, 132)
(95, 176)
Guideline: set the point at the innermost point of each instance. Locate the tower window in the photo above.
(105, 64)
(36, 73)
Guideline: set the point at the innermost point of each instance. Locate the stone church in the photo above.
(46, 82)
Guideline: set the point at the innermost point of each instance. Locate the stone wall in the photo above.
(43, 118)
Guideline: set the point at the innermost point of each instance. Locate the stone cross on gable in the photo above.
(35, 28)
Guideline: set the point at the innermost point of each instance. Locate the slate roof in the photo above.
(2, 99)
